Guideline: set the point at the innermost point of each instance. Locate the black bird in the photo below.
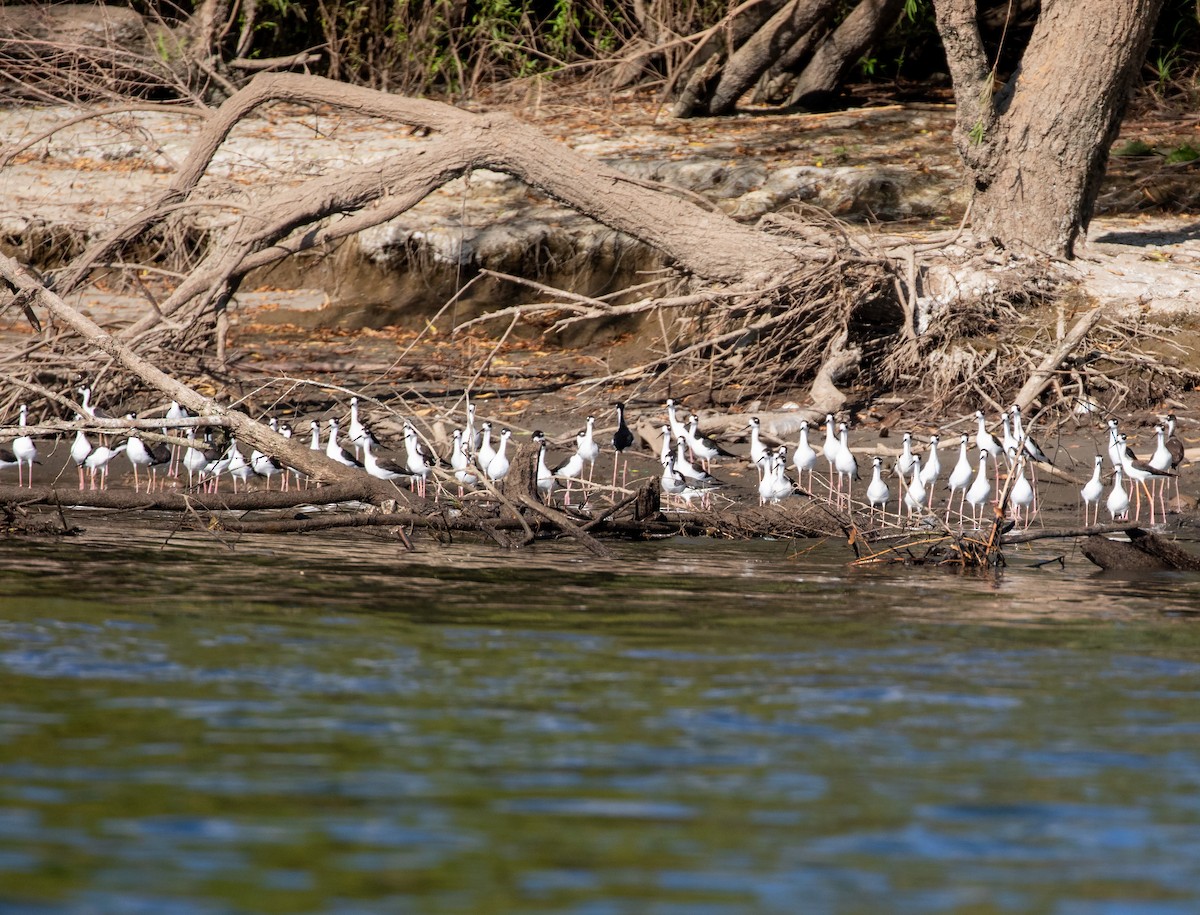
(621, 440)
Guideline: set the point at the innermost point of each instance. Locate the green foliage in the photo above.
(1132, 148)
(1185, 152)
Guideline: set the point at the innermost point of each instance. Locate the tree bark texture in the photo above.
(858, 33)
(703, 64)
(1036, 148)
(763, 48)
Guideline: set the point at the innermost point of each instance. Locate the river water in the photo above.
(331, 724)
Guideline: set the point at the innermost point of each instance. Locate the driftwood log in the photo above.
(1144, 552)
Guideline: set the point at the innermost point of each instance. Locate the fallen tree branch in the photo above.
(567, 526)
(123, 499)
(1044, 373)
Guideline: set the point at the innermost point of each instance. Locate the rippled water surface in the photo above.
(333, 725)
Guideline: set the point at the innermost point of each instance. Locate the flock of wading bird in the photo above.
(686, 457)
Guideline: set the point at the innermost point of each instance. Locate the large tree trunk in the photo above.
(759, 52)
(1036, 149)
(858, 33)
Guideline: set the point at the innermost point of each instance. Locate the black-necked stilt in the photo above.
(383, 468)
(878, 493)
(24, 450)
(545, 478)
(676, 424)
(335, 452)
(173, 415)
(419, 461)
(80, 449)
(1020, 493)
(1115, 448)
(1175, 446)
(97, 462)
(1009, 442)
(758, 451)
(1138, 473)
(485, 452)
(984, 440)
(695, 478)
(193, 460)
(587, 447)
(776, 484)
(1032, 448)
(915, 492)
(239, 468)
(151, 457)
(931, 469)
(460, 461)
(672, 481)
(666, 450)
(960, 478)
(980, 489)
(691, 473)
(470, 437)
(1161, 460)
(904, 464)
(358, 432)
(498, 467)
(268, 467)
(1092, 490)
(622, 439)
(830, 448)
(1118, 499)
(845, 464)
(571, 469)
(702, 447)
(93, 412)
(805, 459)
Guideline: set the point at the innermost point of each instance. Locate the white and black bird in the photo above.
(931, 469)
(915, 492)
(571, 469)
(239, 468)
(702, 447)
(545, 477)
(358, 432)
(97, 463)
(484, 452)
(382, 468)
(878, 493)
(960, 478)
(587, 447)
(758, 450)
(1091, 492)
(334, 450)
(420, 461)
(804, 458)
(151, 457)
(1020, 493)
(497, 469)
(80, 449)
(980, 489)
(846, 464)
(460, 461)
(907, 460)
(24, 450)
(1118, 499)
